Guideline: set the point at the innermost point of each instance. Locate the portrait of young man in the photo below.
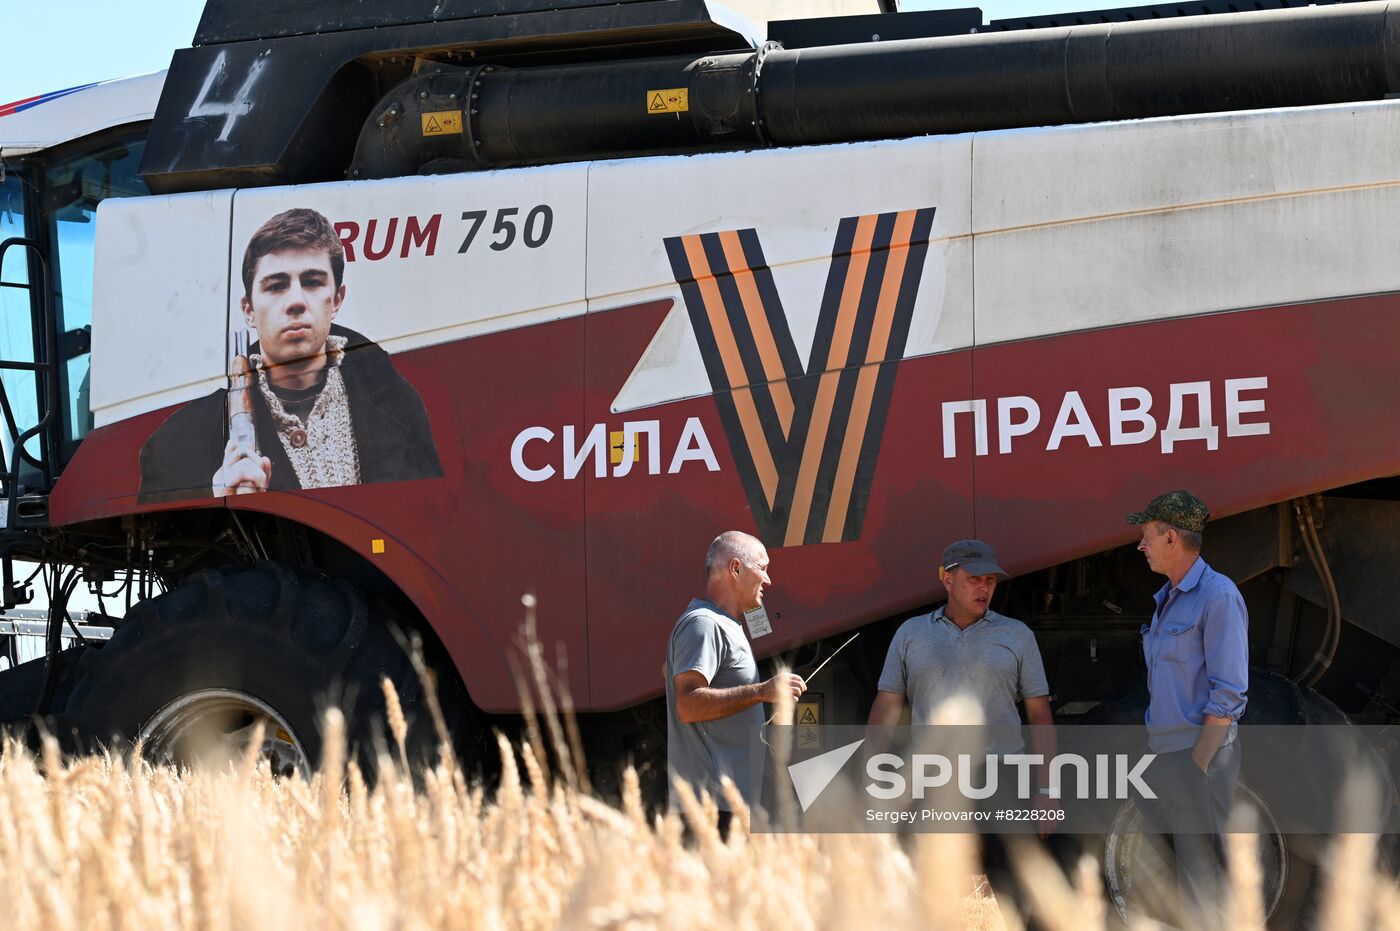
(311, 404)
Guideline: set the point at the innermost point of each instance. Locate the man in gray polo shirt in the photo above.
(714, 699)
(964, 648)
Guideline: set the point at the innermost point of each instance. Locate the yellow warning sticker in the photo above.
(807, 717)
(617, 441)
(668, 100)
(442, 123)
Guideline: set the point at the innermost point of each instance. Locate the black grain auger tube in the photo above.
(494, 106)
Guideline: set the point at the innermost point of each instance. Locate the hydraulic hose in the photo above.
(450, 118)
(1332, 635)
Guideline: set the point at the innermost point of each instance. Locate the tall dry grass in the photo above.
(106, 842)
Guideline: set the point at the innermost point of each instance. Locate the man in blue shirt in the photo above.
(1197, 653)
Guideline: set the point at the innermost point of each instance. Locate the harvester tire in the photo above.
(1292, 864)
(283, 644)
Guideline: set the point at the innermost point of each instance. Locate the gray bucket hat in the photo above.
(973, 557)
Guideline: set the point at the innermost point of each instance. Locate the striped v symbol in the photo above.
(805, 439)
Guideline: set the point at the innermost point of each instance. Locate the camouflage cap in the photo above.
(974, 557)
(1178, 508)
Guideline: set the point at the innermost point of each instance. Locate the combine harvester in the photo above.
(619, 276)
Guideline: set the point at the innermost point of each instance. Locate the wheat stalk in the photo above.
(111, 843)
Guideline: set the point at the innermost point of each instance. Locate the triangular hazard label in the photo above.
(433, 125)
(657, 103)
(807, 717)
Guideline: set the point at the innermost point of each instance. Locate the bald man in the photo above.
(713, 693)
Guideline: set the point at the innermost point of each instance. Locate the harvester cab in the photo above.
(61, 154)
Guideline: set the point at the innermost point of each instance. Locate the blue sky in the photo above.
(49, 46)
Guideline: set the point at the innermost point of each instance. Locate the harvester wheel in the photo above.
(190, 673)
(1290, 864)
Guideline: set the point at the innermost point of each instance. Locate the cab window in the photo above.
(72, 188)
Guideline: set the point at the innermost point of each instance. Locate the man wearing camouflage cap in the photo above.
(1197, 653)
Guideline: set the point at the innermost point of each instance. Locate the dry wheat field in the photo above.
(108, 843)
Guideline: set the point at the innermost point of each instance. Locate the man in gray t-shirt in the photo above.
(713, 694)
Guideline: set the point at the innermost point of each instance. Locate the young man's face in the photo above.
(292, 303)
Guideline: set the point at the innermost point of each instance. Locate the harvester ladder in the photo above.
(45, 365)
